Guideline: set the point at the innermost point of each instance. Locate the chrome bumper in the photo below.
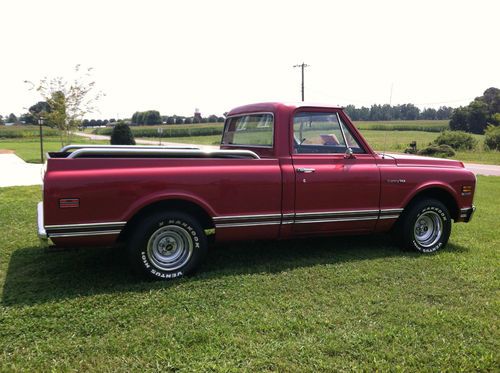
(467, 213)
(42, 234)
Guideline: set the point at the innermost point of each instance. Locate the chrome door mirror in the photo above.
(349, 153)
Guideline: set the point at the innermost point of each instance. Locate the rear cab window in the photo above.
(249, 130)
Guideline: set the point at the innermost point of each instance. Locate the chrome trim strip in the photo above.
(466, 209)
(335, 220)
(116, 224)
(83, 234)
(390, 211)
(234, 225)
(245, 217)
(289, 215)
(335, 213)
(389, 217)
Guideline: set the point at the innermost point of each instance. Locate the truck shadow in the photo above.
(36, 276)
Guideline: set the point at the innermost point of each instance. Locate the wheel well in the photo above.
(181, 205)
(441, 195)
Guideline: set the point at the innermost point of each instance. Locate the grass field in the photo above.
(29, 148)
(331, 304)
(380, 135)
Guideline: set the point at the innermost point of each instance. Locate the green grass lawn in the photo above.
(29, 148)
(330, 304)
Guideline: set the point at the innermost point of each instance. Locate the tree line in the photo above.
(484, 111)
(397, 112)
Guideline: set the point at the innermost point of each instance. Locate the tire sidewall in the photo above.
(137, 247)
(414, 214)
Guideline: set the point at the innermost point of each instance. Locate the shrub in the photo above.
(122, 135)
(492, 138)
(441, 151)
(458, 140)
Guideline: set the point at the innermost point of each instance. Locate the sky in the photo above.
(175, 56)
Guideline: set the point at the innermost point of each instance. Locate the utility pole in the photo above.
(302, 66)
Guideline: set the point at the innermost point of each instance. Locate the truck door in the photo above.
(335, 191)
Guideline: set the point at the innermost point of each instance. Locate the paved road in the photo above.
(15, 171)
(483, 169)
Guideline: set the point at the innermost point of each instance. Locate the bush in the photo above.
(458, 140)
(122, 135)
(492, 138)
(441, 151)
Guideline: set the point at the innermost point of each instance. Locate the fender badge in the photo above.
(396, 181)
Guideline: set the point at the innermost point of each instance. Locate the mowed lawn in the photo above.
(330, 304)
(29, 148)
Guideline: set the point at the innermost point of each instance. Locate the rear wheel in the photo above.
(426, 226)
(167, 245)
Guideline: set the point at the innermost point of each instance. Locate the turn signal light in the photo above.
(466, 190)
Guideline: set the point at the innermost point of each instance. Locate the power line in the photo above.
(302, 66)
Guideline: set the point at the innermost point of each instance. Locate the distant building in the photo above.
(197, 116)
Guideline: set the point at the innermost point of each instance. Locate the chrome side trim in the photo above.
(335, 220)
(117, 224)
(246, 217)
(83, 234)
(336, 213)
(390, 211)
(250, 224)
(388, 217)
(465, 209)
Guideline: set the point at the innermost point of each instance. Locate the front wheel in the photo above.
(167, 246)
(426, 226)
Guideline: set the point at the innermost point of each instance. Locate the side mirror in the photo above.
(349, 153)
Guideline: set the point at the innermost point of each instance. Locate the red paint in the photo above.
(114, 190)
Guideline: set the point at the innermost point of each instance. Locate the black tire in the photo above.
(167, 245)
(425, 226)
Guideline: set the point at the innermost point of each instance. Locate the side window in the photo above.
(250, 130)
(322, 133)
(351, 141)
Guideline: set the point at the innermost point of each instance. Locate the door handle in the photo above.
(306, 170)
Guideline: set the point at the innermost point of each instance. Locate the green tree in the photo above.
(69, 101)
(122, 135)
(458, 120)
(477, 116)
(12, 118)
(152, 117)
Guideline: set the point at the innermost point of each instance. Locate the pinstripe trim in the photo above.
(116, 224)
(83, 234)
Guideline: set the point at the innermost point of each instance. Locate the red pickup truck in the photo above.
(282, 171)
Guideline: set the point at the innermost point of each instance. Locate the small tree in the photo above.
(12, 118)
(69, 101)
(122, 135)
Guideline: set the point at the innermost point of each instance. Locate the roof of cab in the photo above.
(274, 106)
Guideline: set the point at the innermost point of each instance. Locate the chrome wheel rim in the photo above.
(170, 248)
(428, 229)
